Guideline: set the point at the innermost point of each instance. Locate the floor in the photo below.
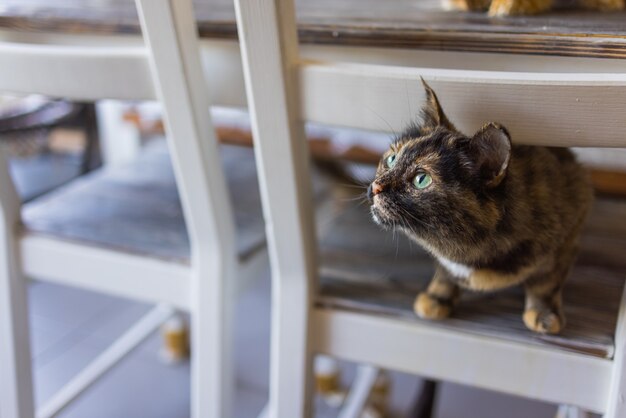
(70, 327)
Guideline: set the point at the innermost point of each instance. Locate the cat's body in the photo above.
(528, 7)
(492, 214)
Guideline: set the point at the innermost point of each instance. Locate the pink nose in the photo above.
(376, 188)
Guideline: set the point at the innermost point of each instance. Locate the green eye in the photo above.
(422, 180)
(391, 160)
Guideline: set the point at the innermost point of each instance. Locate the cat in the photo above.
(493, 214)
(528, 7)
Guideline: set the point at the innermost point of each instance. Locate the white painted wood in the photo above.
(616, 407)
(108, 271)
(562, 411)
(251, 269)
(360, 390)
(569, 411)
(16, 388)
(74, 72)
(264, 412)
(268, 38)
(564, 109)
(119, 139)
(170, 32)
(95, 370)
(576, 412)
(435, 352)
(127, 70)
(538, 108)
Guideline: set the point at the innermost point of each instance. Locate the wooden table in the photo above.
(413, 24)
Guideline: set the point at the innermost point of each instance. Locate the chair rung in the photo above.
(105, 361)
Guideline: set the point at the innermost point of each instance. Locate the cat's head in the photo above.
(436, 181)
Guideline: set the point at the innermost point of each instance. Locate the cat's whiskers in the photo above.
(353, 186)
(361, 197)
(416, 219)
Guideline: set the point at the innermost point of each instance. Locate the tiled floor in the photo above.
(70, 327)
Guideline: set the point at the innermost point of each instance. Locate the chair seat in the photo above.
(369, 270)
(135, 208)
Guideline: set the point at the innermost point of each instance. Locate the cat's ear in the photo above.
(490, 149)
(432, 113)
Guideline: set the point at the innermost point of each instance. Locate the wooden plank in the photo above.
(136, 209)
(609, 182)
(103, 270)
(425, 349)
(616, 407)
(269, 48)
(16, 380)
(556, 109)
(28, 69)
(401, 24)
(368, 270)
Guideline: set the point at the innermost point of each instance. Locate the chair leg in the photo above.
(358, 396)
(425, 402)
(291, 362)
(16, 388)
(569, 411)
(212, 368)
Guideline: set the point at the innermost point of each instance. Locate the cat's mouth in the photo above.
(381, 215)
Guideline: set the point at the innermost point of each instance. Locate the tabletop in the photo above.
(413, 24)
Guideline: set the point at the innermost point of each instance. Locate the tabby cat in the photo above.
(527, 7)
(492, 214)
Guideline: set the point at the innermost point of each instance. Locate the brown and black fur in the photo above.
(510, 214)
(530, 7)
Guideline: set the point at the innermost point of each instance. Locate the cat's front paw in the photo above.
(429, 307)
(543, 322)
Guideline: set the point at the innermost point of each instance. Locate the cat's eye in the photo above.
(422, 180)
(391, 161)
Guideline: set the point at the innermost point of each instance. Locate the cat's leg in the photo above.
(518, 7)
(543, 312)
(604, 5)
(466, 5)
(439, 298)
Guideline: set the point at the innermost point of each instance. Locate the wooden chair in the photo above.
(360, 309)
(143, 231)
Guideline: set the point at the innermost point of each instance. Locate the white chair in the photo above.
(583, 369)
(122, 231)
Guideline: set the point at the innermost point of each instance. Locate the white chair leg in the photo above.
(359, 392)
(569, 411)
(212, 366)
(16, 389)
(119, 140)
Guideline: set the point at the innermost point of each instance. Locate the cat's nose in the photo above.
(374, 189)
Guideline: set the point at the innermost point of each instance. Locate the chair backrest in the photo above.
(166, 68)
(283, 90)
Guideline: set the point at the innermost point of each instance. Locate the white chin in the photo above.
(375, 218)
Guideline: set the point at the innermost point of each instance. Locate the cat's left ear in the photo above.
(432, 113)
(491, 151)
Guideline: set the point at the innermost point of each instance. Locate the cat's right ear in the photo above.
(432, 113)
(490, 149)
